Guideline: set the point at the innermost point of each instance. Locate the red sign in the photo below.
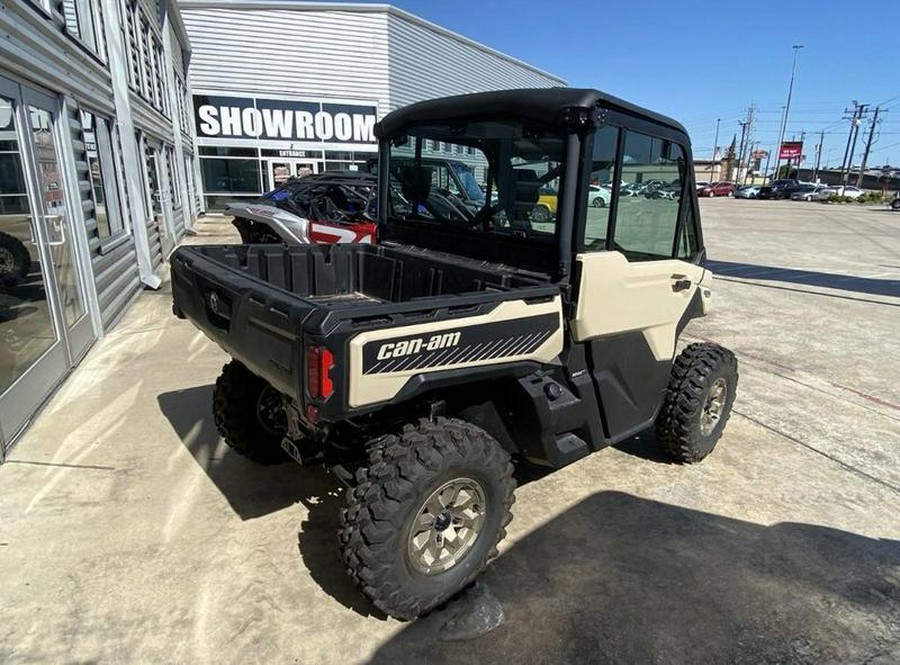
(791, 150)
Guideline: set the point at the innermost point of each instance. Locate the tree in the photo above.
(730, 159)
(786, 171)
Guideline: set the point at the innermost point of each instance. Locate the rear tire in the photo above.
(426, 515)
(541, 214)
(697, 402)
(249, 414)
(598, 202)
(15, 261)
(895, 204)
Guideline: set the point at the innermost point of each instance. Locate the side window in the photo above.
(599, 196)
(688, 243)
(647, 217)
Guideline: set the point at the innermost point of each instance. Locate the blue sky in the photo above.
(698, 61)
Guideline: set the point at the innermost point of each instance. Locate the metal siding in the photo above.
(425, 64)
(115, 272)
(327, 54)
(35, 48)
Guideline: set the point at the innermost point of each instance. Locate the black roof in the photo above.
(539, 104)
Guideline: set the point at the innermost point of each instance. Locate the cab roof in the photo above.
(543, 105)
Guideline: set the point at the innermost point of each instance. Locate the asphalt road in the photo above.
(130, 533)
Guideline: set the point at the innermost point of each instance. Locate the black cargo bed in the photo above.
(263, 304)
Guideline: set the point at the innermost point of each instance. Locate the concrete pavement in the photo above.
(130, 533)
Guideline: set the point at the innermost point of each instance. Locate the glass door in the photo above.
(44, 326)
(280, 170)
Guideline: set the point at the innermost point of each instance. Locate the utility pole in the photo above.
(819, 155)
(740, 158)
(855, 120)
(862, 166)
(800, 156)
(787, 108)
(715, 150)
(746, 132)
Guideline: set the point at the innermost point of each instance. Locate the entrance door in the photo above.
(160, 196)
(44, 326)
(280, 170)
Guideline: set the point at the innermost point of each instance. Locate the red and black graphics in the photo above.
(458, 345)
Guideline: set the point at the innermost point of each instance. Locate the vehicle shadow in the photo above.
(254, 491)
(618, 578)
(868, 285)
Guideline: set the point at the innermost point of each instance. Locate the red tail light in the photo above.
(319, 362)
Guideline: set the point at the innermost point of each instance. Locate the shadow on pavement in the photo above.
(622, 579)
(880, 287)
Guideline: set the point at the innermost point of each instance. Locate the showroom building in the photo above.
(285, 89)
(96, 152)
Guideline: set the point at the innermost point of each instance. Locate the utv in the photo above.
(417, 368)
(336, 206)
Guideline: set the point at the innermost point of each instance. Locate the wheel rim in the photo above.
(270, 412)
(446, 526)
(715, 404)
(7, 261)
(599, 202)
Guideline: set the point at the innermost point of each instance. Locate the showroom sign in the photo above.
(254, 118)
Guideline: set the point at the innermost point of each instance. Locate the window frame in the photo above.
(623, 124)
(110, 180)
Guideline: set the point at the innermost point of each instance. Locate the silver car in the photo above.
(747, 192)
(840, 190)
(808, 193)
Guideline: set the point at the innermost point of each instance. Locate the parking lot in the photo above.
(131, 534)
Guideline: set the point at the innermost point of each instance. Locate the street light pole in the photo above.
(787, 108)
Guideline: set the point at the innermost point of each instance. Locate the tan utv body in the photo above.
(420, 367)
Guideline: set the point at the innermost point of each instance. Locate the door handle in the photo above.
(58, 222)
(680, 283)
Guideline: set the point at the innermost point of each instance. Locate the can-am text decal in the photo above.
(459, 345)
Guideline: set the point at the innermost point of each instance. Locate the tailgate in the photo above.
(253, 321)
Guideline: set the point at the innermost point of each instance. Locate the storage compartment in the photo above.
(366, 272)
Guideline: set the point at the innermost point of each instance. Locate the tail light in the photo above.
(319, 362)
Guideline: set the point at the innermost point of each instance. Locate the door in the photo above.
(44, 325)
(160, 196)
(639, 283)
(280, 170)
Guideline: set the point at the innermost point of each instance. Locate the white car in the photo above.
(599, 197)
(840, 190)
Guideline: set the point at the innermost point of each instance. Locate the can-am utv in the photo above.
(418, 367)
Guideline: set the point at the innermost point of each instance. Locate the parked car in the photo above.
(807, 193)
(599, 197)
(779, 189)
(840, 190)
(702, 184)
(747, 192)
(721, 188)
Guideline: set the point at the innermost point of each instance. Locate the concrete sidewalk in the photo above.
(129, 533)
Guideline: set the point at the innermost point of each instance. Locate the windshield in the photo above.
(502, 167)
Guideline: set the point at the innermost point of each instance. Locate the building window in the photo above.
(83, 23)
(230, 175)
(103, 176)
(146, 71)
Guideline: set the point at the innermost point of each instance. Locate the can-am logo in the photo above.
(410, 346)
(276, 119)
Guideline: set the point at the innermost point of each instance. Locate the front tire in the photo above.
(697, 402)
(895, 204)
(541, 214)
(598, 202)
(249, 414)
(426, 515)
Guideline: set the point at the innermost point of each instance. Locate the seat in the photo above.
(527, 193)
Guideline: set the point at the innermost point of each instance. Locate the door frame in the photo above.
(27, 393)
(293, 162)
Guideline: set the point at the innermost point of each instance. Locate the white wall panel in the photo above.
(427, 63)
(303, 54)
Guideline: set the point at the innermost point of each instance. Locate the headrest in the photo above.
(415, 182)
(527, 186)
